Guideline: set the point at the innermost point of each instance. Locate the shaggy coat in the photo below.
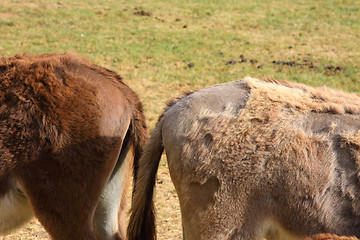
(66, 126)
(327, 236)
(256, 158)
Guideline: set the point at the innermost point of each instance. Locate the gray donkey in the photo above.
(256, 159)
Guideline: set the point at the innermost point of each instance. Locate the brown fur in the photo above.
(60, 137)
(253, 159)
(328, 236)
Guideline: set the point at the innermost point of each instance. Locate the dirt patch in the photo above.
(190, 65)
(142, 13)
(5, 16)
(302, 64)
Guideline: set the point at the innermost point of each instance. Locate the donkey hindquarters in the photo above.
(256, 159)
(66, 126)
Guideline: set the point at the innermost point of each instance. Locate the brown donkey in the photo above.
(256, 159)
(66, 127)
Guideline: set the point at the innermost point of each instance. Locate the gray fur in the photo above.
(259, 159)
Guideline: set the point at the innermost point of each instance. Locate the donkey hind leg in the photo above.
(15, 210)
(269, 231)
(109, 212)
(65, 202)
(261, 229)
(272, 230)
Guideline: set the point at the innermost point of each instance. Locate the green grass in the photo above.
(152, 53)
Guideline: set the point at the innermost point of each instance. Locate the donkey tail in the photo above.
(139, 136)
(142, 220)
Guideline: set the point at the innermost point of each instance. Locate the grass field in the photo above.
(164, 48)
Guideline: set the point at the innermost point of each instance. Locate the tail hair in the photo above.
(139, 137)
(142, 220)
